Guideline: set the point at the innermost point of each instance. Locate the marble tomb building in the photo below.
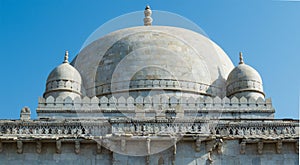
(153, 95)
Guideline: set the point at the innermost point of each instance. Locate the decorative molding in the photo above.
(244, 85)
(267, 129)
(57, 85)
(139, 85)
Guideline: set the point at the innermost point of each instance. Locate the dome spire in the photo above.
(66, 57)
(148, 20)
(241, 58)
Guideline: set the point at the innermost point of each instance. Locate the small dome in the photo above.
(63, 81)
(245, 81)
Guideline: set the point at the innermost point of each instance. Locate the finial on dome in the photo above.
(66, 57)
(148, 20)
(241, 58)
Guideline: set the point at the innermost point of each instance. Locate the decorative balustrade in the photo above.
(207, 128)
(38, 128)
(276, 129)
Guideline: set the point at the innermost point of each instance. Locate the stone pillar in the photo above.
(243, 147)
(58, 146)
(260, 146)
(77, 147)
(38, 147)
(198, 144)
(19, 147)
(278, 147)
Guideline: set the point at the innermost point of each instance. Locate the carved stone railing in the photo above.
(213, 128)
(53, 128)
(251, 129)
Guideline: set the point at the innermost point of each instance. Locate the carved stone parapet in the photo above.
(58, 146)
(19, 147)
(77, 147)
(38, 147)
(183, 105)
(279, 147)
(260, 146)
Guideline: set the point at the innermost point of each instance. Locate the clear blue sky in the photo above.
(35, 33)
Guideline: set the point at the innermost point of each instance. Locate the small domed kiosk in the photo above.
(245, 81)
(63, 81)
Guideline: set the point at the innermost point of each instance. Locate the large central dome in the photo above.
(148, 60)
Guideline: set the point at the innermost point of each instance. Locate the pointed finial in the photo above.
(241, 58)
(148, 20)
(66, 57)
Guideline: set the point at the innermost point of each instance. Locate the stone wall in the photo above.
(186, 153)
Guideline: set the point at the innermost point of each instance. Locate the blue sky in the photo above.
(34, 35)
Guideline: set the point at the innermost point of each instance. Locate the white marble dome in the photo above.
(63, 81)
(147, 60)
(244, 81)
